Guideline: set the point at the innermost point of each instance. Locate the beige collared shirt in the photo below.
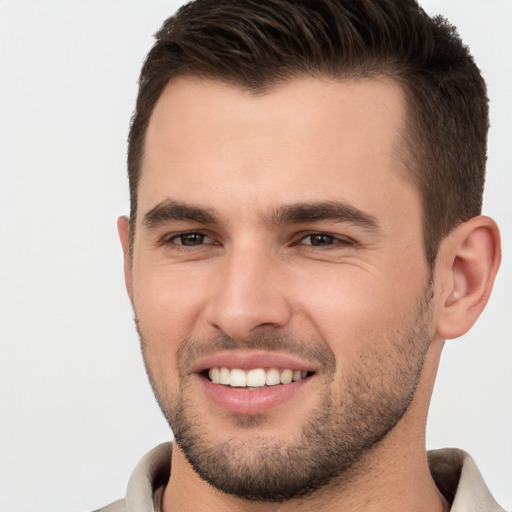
(454, 472)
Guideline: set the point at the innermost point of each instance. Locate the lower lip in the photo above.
(251, 402)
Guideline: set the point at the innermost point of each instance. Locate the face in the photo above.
(279, 279)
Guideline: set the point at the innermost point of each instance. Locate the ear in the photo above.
(123, 227)
(467, 263)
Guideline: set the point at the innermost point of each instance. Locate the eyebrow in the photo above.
(169, 210)
(300, 213)
(324, 211)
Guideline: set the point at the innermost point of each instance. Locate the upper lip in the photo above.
(247, 360)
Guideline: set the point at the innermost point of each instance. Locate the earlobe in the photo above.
(467, 264)
(123, 228)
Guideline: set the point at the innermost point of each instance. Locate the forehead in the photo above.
(216, 144)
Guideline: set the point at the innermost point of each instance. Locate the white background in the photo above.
(76, 412)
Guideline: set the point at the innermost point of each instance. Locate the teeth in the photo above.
(255, 378)
(272, 378)
(224, 376)
(286, 376)
(238, 378)
(215, 375)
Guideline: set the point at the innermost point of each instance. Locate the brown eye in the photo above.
(191, 239)
(319, 239)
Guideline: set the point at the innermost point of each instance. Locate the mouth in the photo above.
(255, 378)
(251, 389)
(254, 382)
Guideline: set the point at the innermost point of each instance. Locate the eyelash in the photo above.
(170, 240)
(336, 241)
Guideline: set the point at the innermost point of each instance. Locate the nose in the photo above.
(249, 294)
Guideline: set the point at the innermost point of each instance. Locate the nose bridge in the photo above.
(248, 292)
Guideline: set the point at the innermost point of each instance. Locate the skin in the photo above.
(213, 146)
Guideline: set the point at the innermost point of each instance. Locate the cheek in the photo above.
(168, 305)
(358, 312)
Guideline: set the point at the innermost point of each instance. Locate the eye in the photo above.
(191, 239)
(324, 240)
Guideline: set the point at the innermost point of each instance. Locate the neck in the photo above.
(393, 476)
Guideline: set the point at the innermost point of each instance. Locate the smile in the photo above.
(250, 382)
(255, 378)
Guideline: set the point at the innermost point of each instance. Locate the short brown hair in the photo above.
(256, 44)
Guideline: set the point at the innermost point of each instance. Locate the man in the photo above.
(305, 232)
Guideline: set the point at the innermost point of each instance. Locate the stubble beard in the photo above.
(351, 418)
